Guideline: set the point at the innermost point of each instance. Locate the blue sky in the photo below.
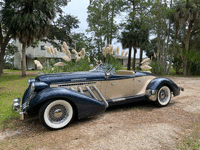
(78, 8)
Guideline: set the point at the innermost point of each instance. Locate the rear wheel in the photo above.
(56, 114)
(164, 96)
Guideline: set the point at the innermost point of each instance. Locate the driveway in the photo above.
(138, 125)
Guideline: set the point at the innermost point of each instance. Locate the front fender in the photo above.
(85, 105)
(157, 83)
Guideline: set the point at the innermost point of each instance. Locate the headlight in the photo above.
(37, 86)
(33, 86)
(29, 81)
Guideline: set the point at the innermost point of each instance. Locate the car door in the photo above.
(118, 88)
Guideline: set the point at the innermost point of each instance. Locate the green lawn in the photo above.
(12, 85)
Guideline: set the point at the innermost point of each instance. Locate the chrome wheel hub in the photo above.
(163, 95)
(58, 114)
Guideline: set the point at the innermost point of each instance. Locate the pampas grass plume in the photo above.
(126, 53)
(122, 54)
(63, 50)
(117, 51)
(78, 59)
(75, 52)
(52, 51)
(145, 60)
(96, 60)
(66, 58)
(55, 51)
(39, 65)
(60, 64)
(48, 49)
(107, 50)
(146, 67)
(65, 46)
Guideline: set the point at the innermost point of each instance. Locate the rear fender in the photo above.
(85, 105)
(157, 83)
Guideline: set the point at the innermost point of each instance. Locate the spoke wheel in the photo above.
(56, 114)
(164, 96)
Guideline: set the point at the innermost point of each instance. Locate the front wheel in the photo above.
(56, 114)
(163, 97)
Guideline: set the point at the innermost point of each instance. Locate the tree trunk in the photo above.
(129, 59)
(3, 43)
(141, 52)
(112, 21)
(134, 58)
(158, 46)
(187, 42)
(23, 59)
(168, 68)
(2, 54)
(172, 53)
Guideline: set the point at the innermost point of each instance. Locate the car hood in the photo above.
(71, 77)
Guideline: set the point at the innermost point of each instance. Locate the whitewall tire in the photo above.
(56, 114)
(163, 96)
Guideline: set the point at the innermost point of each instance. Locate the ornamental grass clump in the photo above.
(145, 64)
(117, 50)
(68, 64)
(108, 53)
(38, 64)
(79, 62)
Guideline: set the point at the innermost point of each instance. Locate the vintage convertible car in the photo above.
(58, 98)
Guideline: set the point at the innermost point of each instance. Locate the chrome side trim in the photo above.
(118, 99)
(91, 93)
(80, 90)
(71, 88)
(81, 79)
(100, 95)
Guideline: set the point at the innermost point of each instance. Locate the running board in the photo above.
(127, 98)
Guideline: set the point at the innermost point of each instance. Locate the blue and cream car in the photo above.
(58, 98)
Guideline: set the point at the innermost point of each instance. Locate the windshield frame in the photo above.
(104, 67)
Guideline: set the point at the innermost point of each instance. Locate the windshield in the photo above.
(106, 68)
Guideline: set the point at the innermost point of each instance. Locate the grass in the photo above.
(12, 86)
(193, 141)
(17, 71)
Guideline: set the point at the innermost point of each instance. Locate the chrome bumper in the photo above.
(16, 106)
(151, 94)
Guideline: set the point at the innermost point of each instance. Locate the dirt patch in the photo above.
(138, 125)
(9, 133)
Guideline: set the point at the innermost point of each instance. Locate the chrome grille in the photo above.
(24, 106)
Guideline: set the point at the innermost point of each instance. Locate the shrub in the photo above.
(157, 68)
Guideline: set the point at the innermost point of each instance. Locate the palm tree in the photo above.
(138, 32)
(126, 41)
(28, 20)
(187, 11)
